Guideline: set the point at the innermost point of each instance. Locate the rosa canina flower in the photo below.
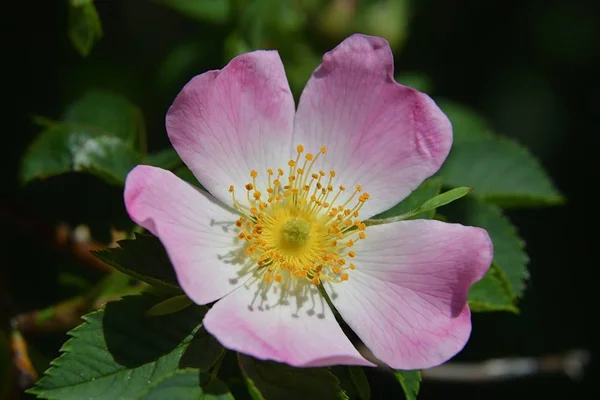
(283, 219)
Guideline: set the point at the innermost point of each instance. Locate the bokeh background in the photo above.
(530, 67)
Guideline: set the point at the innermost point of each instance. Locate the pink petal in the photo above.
(299, 330)
(226, 123)
(379, 134)
(197, 232)
(407, 297)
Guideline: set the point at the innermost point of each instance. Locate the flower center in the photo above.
(301, 228)
(295, 233)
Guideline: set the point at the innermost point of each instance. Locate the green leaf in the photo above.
(166, 159)
(492, 293)
(361, 382)
(58, 150)
(428, 189)
(170, 305)
(466, 123)
(84, 25)
(270, 380)
(410, 381)
(429, 205)
(416, 80)
(509, 253)
(501, 171)
(97, 135)
(118, 352)
(204, 10)
(99, 112)
(143, 258)
(188, 384)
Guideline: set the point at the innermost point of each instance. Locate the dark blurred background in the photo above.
(530, 67)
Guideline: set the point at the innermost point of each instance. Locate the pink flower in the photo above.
(278, 223)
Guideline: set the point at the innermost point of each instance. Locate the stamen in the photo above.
(298, 234)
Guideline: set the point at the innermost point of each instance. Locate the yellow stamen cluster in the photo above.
(296, 227)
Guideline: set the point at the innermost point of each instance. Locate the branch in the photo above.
(571, 363)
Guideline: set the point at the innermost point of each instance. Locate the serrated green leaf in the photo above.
(170, 305)
(143, 258)
(205, 10)
(188, 384)
(509, 253)
(360, 382)
(410, 382)
(166, 159)
(428, 189)
(467, 124)
(280, 381)
(500, 171)
(492, 293)
(118, 351)
(85, 28)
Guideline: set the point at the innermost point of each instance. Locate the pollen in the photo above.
(303, 231)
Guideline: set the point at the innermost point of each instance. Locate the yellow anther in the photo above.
(323, 150)
(253, 173)
(276, 182)
(268, 278)
(300, 148)
(249, 186)
(352, 266)
(257, 194)
(350, 243)
(280, 171)
(322, 173)
(270, 172)
(291, 163)
(344, 277)
(332, 173)
(230, 188)
(278, 278)
(362, 235)
(351, 254)
(358, 188)
(309, 156)
(315, 176)
(342, 188)
(300, 171)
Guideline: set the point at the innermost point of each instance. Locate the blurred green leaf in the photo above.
(170, 305)
(270, 380)
(410, 382)
(467, 124)
(143, 258)
(499, 171)
(429, 189)
(385, 18)
(492, 293)
(84, 25)
(58, 150)
(217, 11)
(416, 80)
(234, 46)
(99, 112)
(166, 159)
(360, 382)
(188, 384)
(97, 134)
(110, 355)
(509, 253)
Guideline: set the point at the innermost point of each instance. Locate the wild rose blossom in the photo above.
(289, 191)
